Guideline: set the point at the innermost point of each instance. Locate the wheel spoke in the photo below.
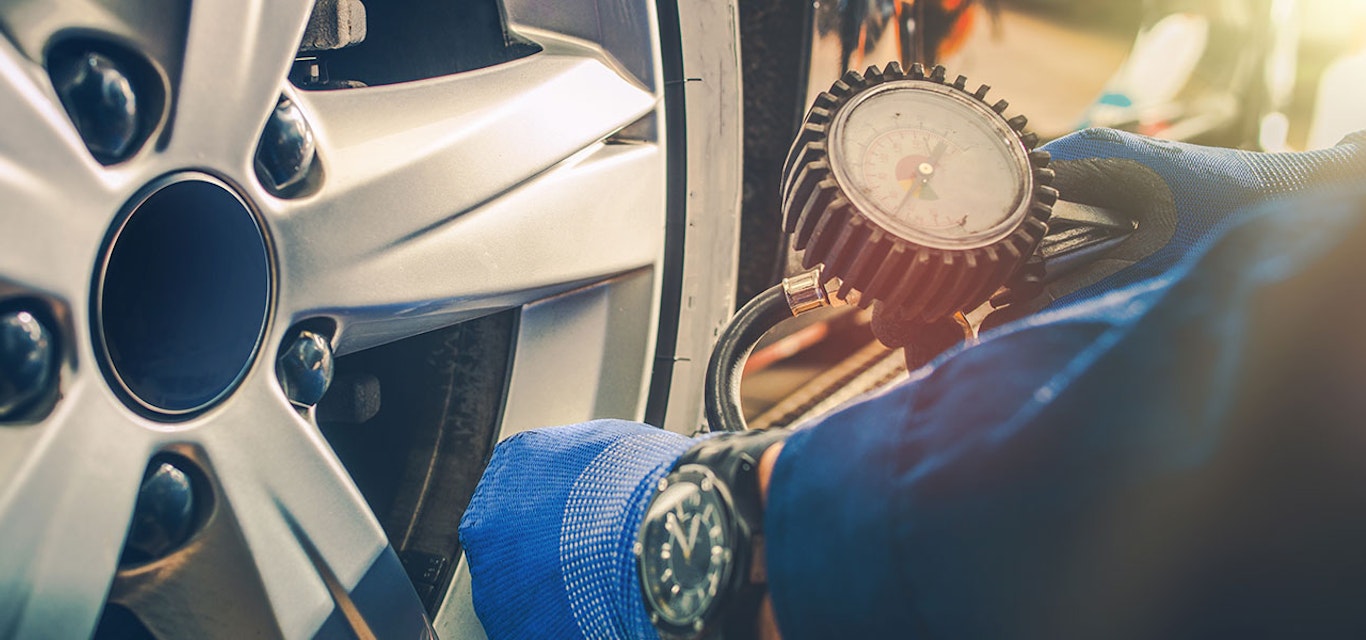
(40, 250)
(48, 238)
(483, 192)
(55, 205)
(67, 498)
(237, 56)
(41, 149)
(550, 236)
(302, 519)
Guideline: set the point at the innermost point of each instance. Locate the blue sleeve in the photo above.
(1179, 458)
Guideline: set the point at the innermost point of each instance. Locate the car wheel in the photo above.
(264, 311)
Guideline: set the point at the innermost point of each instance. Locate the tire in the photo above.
(516, 216)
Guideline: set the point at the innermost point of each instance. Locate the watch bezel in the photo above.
(712, 613)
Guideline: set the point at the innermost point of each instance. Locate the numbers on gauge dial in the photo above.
(927, 167)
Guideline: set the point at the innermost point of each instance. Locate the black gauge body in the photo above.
(913, 191)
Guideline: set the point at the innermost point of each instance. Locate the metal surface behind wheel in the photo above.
(577, 190)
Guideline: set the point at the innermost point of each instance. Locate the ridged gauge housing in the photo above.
(914, 191)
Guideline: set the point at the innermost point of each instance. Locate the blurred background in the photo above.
(1265, 75)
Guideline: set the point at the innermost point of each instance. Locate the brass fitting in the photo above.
(805, 293)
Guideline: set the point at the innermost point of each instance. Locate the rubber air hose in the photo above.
(722, 390)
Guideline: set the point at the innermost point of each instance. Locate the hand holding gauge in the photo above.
(915, 192)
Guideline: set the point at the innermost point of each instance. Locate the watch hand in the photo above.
(676, 531)
(692, 536)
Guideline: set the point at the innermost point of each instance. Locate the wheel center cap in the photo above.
(182, 295)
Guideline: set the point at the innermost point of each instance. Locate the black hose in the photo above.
(722, 390)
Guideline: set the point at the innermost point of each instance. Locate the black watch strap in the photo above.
(734, 459)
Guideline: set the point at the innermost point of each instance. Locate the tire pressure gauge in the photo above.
(914, 191)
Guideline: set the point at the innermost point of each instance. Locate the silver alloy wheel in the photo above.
(542, 184)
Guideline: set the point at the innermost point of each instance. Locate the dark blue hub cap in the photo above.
(183, 296)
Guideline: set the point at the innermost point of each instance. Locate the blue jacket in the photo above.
(1182, 457)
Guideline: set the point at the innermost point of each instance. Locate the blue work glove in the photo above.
(1179, 194)
(549, 531)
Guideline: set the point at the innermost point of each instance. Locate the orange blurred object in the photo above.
(961, 28)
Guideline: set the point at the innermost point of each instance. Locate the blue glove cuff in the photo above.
(530, 532)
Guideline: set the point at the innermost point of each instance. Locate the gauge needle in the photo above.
(926, 171)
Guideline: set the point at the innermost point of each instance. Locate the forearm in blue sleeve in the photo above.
(1180, 458)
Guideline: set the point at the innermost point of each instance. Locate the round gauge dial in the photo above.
(685, 557)
(909, 189)
(930, 164)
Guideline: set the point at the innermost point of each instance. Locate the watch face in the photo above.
(931, 165)
(685, 553)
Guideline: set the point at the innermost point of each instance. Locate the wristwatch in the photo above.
(699, 549)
